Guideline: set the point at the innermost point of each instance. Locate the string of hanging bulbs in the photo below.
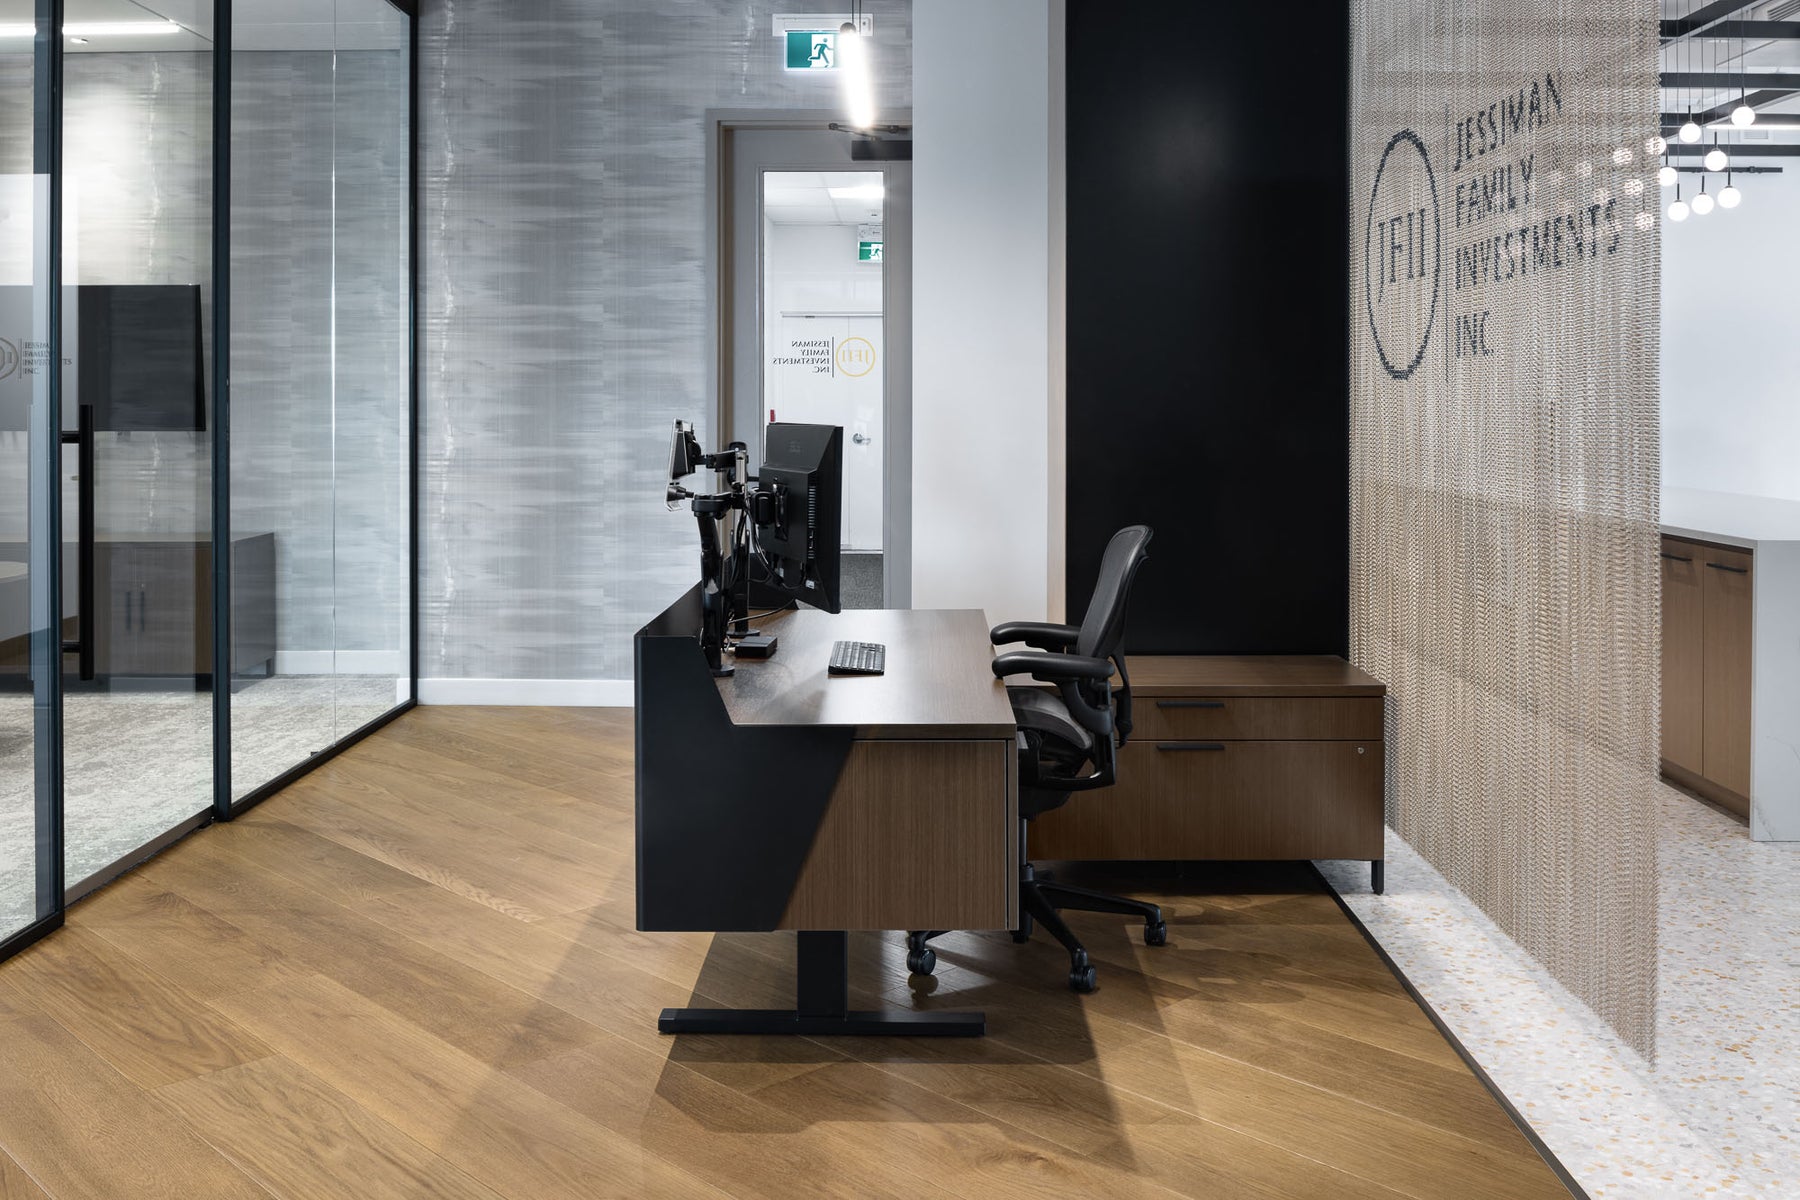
(1716, 159)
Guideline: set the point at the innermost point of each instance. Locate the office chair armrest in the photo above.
(1052, 668)
(1035, 634)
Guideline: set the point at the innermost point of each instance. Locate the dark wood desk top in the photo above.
(938, 683)
(1249, 675)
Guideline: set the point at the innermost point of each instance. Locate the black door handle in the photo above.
(1733, 570)
(1178, 746)
(1190, 704)
(1676, 557)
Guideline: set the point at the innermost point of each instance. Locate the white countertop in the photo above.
(1729, 518)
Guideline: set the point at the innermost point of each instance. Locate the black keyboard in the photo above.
(858, 658)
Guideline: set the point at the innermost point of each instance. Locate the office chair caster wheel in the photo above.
(1156, 933)
(1083, 979)
(921, 962)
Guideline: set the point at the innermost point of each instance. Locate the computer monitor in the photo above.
(799, 542)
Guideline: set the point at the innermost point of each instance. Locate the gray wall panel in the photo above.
(564, 309)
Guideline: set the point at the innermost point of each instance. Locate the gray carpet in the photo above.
(860, 580)
(138, 763)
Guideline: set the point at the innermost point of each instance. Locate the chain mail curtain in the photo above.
(1504, 462)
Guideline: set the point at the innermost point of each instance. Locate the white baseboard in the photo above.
(548, 693)
(340, 662)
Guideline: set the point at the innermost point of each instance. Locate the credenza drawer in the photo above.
(1221, 799)
(1258, 718)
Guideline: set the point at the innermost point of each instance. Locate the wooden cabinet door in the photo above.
(1725, 585)
(149, 596)
(1682, 681)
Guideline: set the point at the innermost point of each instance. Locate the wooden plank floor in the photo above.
(415, 973)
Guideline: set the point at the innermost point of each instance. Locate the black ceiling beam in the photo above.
(1720, 112)
(1695, 149)
(1749, 31)
(1787, 80)
(1703, 16)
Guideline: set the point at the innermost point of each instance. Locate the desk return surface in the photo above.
(783, 797)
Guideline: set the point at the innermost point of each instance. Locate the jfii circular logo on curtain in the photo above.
(1402, 255)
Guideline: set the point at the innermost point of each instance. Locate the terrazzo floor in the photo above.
(1718, 1113)
(138, 763)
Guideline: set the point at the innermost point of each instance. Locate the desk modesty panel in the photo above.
(783, 797)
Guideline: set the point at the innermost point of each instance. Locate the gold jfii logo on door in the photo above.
(855, 357)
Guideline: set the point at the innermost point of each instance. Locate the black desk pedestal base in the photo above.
(822, 1005)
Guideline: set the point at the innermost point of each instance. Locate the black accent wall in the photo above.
(1208, 376)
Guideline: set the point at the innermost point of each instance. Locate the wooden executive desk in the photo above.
(786, 798)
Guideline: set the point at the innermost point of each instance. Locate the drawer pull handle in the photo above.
(1733, 570)
(1677, 557)
(1190, 704)
(1190, 745)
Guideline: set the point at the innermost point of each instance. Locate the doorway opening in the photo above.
(814, 319)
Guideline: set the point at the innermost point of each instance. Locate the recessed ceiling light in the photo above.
(83, 30)
(862, 191)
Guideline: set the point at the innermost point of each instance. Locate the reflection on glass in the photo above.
(320, 371)
(136, 481)
(27, 877)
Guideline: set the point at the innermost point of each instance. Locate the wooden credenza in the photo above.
(1707, 629)
(1237, 757)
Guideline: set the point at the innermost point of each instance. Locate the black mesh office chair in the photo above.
(1068, 743)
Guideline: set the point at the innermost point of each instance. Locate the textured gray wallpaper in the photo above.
(564, 309)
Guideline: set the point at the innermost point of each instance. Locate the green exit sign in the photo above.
(868, 252)
(811, 50)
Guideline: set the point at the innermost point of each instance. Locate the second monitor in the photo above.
(797, 550)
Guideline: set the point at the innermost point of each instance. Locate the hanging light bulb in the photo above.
(1690, 132)
(1715, 159)
(1703, 203)
(1665, 175)
(1730, 197)
(859, 84)
(1743, 115)
(1657, 144)
(1678, 211)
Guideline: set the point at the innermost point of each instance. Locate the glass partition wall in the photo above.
(212, 234)
(31, 864)
(320, 370)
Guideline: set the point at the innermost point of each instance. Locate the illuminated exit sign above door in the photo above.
(811, 50)
(811, 39)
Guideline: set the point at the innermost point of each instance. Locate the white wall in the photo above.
(981, 306)
(1731, 342)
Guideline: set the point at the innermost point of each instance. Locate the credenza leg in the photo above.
(1377, 879)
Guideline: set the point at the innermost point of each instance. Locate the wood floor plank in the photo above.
(500, 1131)
(15, 1184)
(713, 1129)
(472, 1010)
(194, 949)
(426, 953)
(302, 1139)
(145, 1027)
(82, 1131)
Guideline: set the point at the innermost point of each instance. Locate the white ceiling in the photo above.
(1714, 54)
(256, 24)
(804, 198)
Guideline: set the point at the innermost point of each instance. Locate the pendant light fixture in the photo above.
(1703, 203)
(1743, 116)
(1665, 174)
(1715, 159)
(1730, 197)
(859, 82)
(1678, 211)
(1690, 130)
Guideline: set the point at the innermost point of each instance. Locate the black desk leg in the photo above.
(1377, 876)
(822, 1005)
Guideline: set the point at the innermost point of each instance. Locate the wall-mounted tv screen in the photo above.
(134, 351)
